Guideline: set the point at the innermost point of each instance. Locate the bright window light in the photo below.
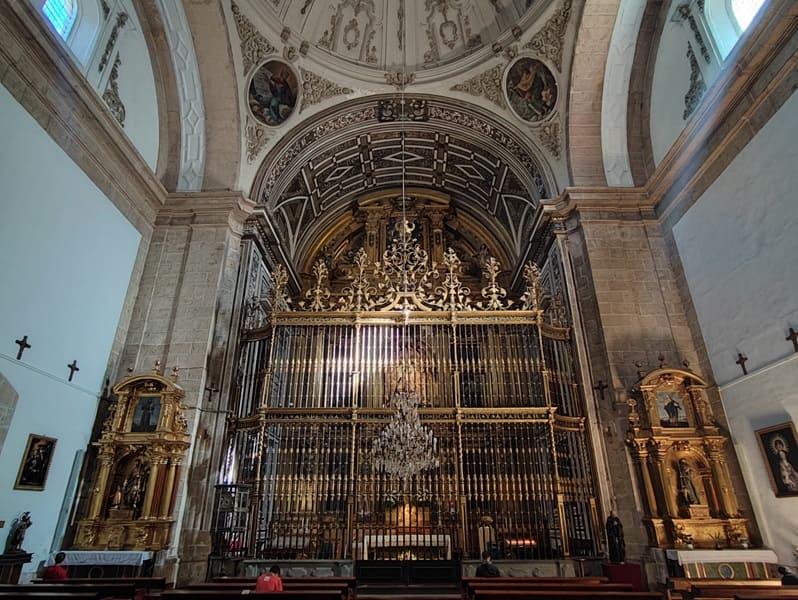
(61, 14)
(745, 10)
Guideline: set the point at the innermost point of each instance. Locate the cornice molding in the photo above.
(206, 209)
(35, 69)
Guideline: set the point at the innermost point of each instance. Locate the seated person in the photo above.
(56, 571)
(270, 582)
(787, 576)
(487, 568)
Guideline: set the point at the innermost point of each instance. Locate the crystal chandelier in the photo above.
(405, 447)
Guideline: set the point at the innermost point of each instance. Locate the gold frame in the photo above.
(767, 438)
(26, 456)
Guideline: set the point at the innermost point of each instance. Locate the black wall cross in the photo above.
(600, 387)
(24, 345)
(72, 369)
(793, 337)
(741, 360)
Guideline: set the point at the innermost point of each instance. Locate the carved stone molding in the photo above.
(487, 84)
(121, 20)
(316, 88)
(400, 79)
(192, 107)
(257, 136)
(254, 46)
(111, 94)
(697, 85)
(548, 42)
(549, 135)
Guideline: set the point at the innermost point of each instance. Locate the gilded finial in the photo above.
(175, 371)
(157, 367)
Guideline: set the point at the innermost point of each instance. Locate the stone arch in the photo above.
(585, 104)
(491, 170)
(8, 404)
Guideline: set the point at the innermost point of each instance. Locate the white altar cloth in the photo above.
(104, 557)
(435, 540)
(722, 556)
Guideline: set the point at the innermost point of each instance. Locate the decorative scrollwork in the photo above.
(317, 297)
(493, 292)
(279, 297)
(533, 295)
(404, 271)
(359, 295)
(452, 294)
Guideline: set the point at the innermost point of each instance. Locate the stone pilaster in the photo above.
(182, 318)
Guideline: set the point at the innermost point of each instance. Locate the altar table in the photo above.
(399, 540)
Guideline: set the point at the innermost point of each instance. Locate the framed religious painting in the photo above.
(779, 448)
(35, 463)
(671, 409)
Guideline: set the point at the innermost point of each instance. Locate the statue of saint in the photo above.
(17, 534)
(615, 542)
(687, 487)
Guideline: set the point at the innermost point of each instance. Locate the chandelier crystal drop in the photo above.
(405, 447)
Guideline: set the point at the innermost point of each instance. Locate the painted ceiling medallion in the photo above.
(531, 89)
(273, 92)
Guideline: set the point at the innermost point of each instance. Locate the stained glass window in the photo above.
(745, 10)
(61, 14)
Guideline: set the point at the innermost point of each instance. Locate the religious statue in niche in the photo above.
(272, 92)
(687, 488)
(531, 89)
(670, 407)
(146, 415)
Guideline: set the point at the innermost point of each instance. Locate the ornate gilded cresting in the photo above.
(678, 451)
(140, 453)
(493, 378)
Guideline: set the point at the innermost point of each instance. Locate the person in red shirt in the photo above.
(270, 582)
(56, 572)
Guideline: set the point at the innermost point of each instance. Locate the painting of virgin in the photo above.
(272, 93)
(780, 452)
(531, 89)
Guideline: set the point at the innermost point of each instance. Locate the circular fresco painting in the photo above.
(272, 92)
(531, 89)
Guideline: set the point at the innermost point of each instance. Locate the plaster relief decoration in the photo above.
(531, 89)
(254, 47)
(697, 85)
(257, 136)
(548, 42)
(487, 84)
(272, 92)
(351, 31)
(549, 136)
(111, 94)
(316, 88)
(121, 20)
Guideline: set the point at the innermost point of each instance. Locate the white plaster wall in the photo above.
(757, 402)
(137, 90)
(738, 246)
(66, 256)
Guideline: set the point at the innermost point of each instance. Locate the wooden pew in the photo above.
(724, 588)
(579, 587)
(184, 594)
(292, 582)
(784, 593)
(94, 586)
(572, 594)
(288, 584)
(143, 585)
(33, 595)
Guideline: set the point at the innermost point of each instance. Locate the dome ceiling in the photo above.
(373, 38)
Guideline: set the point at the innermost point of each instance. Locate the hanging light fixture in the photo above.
(405, 447)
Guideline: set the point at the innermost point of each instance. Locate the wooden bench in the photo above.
(727, 589)
(96, 587)
(34, 595)
(288, 584)
(183, 594)
(784, 593)
(579, 587)
(294, 582)
(572, 594)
